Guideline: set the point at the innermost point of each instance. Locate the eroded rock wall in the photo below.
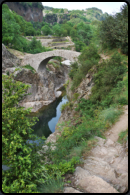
(8, 59)
(29, 14)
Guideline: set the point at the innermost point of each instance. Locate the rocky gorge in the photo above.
(105, 169)
(43, 86)
(29, 13)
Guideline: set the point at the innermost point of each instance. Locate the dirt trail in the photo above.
(121, 125)
(105, 170)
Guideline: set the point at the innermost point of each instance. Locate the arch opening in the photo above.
(42, 65)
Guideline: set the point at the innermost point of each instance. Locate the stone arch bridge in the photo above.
(39, 61)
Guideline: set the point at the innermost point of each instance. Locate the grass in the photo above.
(123, 136)
(84, 148)
(109, 115)
(60, 41)
(53, 186)
(16, 52)
(30, 68)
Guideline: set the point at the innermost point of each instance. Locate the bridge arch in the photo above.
(43, 63)
(39, 61)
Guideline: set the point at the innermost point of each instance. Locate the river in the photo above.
(48, 117)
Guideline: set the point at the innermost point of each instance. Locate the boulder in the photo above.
(81, 173)
(58, 94)
(99, 167)
(8, 59)
(95, 184)
(36, 105)
(71, 190)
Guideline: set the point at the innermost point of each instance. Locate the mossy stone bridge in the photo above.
(39, 61)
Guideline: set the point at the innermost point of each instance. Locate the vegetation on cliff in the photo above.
(13, 29)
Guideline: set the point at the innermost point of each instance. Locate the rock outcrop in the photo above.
(43, 87)
(29, 13)
(105, 170)
(8, 59)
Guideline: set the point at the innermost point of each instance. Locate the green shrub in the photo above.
(122, 101)
(87, 59)
(76, 95)
(63, 106)
(67, 104)
(86, 107)
(110, 115)
(73, 70)
(109, 73)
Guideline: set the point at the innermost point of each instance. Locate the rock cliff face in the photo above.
(8, 59)
(51, 18)
(29, 13)
(43, 86)
(84, 90)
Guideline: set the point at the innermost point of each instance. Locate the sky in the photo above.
(109, 7)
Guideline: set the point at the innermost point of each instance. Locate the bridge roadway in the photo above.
(39, 61)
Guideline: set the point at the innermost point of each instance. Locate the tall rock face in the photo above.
(8, 59)
(30, 12)
(51, 18)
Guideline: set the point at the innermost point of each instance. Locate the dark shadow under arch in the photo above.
(42, 65)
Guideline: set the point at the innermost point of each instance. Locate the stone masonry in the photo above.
(39, 61)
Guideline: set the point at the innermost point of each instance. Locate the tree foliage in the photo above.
(114, 30)
(46, 30)
(109, 73)
(13, 29)
(88, 57)
(18, 154)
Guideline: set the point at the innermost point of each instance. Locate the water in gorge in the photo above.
(48, 117)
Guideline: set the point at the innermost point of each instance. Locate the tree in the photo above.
(73, 34)
(79, 45)
(114, 30)
(67, 28)
(57, 30)
(10, 29)
(46, 30)
(26, 171)
(30, 31)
